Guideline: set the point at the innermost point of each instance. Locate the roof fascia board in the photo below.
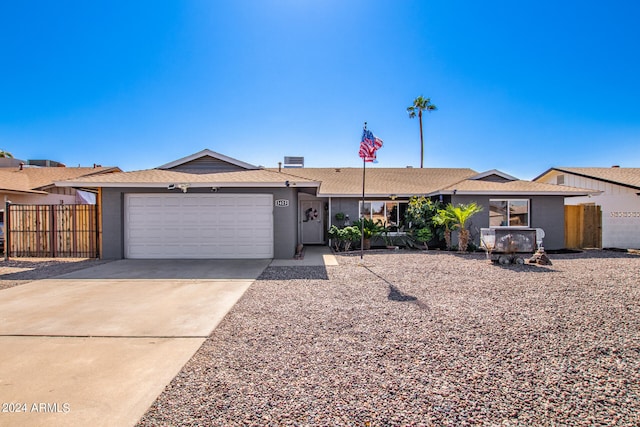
(191, 184)
(10, 191)
(378, 195)
(520, 193)
(207, 152)
(543, 174)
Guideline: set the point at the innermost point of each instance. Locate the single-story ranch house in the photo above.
(618, 197)
(208, 205)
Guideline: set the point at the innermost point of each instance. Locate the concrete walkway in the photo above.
(97, 346)
(314, 256)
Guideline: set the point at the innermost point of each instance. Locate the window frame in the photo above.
(385, 204)
(508, 212)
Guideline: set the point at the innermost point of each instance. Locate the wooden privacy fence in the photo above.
(52, 231)
(582, 226)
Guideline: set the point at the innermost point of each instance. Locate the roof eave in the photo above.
(191, 184)
(14, 191)
(519, 193)
(376, 195)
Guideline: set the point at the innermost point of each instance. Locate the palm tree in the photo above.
(421, 104)
(5, 154)
(462, 214)
(445, 218)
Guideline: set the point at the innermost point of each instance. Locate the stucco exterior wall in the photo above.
(284, 218)
(546, 212)
(347, 206)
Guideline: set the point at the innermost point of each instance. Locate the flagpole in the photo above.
(364, 169)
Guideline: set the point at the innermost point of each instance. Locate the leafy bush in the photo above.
(420, 215)
(343, 238)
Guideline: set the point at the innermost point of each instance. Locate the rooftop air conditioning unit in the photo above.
(293, 162)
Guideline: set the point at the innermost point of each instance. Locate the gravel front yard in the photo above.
(422, 339)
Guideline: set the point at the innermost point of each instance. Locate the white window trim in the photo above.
(508, 201)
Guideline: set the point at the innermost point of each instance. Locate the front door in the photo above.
(312, 217)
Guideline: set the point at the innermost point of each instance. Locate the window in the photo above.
(509, 213)
(389, 213)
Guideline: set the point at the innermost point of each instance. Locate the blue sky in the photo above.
(520, 86)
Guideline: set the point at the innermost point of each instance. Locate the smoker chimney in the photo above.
(279, 166)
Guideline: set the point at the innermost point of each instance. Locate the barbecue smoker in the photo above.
(509, 245)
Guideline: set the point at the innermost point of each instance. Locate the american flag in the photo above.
(368, 146)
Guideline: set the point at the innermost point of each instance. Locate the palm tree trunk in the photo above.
(447, 238)
(421, 141)
(463, 240)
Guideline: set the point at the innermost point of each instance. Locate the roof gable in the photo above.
(494, 175)
(207, 161)
(626, 177)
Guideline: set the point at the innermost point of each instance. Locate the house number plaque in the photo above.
(282, 203)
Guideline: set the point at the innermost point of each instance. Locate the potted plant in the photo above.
(370, 229)
(389, 240)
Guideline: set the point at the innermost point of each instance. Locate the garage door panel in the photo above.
(199, 226)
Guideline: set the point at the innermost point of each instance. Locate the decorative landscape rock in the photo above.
(454, 342)
(540, 257)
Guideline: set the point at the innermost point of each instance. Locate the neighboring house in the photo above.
(618, 196)
(23, 184)
(208, 205)
(28, 184)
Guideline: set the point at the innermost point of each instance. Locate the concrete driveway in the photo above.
(97, 346)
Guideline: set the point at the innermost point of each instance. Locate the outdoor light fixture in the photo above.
(183, 187)
(171, 187)
(393, 196)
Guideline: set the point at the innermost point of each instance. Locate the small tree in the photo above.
(423, 235)
(445, 218)
(462, 213)
(419, 215)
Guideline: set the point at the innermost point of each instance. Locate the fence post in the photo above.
(96, 211)
(52, 231)
(7, 228)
